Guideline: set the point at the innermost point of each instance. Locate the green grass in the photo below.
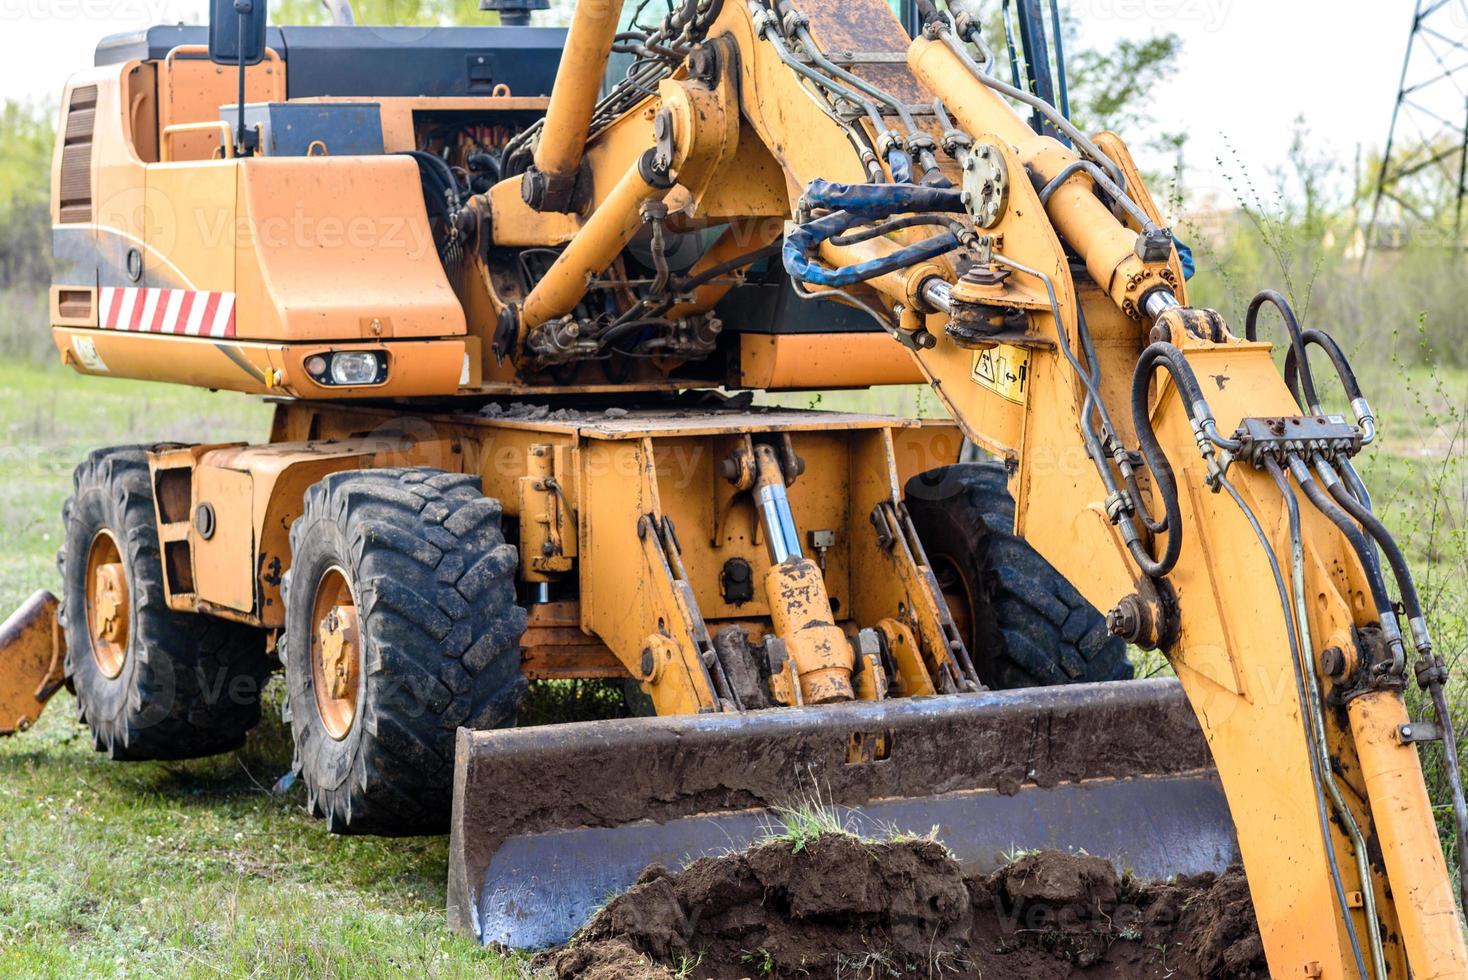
(51, 418)
(178, 869)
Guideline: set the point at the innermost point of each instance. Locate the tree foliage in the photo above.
(26, 132)
(414, 13)
(1109, 88)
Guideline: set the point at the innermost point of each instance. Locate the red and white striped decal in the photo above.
(179, 311)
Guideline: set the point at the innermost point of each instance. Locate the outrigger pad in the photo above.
(549, 822)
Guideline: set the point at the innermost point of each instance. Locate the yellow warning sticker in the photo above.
(1004, 369)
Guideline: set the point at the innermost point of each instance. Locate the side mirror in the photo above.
(237, 32)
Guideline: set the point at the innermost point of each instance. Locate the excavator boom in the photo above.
(1214, 539)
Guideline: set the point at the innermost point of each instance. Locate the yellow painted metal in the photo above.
(578, 82)
(415, 367)
(32, 656)
(913, 679)
(800, 614)
(108, 610)
(547, 527)
(191, 89)
(804, 360)
(336, 652)
(600, 240)
(314, 266)
(1107, 246)
(219, 129)
(1407, 836)
(224, 557)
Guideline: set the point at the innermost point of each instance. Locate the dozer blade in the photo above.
(550, 822)
(32, 652)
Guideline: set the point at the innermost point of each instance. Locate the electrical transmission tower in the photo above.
(1425, 164)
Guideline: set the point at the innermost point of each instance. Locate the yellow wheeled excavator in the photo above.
(508, 316)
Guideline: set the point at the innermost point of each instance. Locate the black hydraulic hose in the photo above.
(1159, 354)
(1360, 407)
(1374, 527)
(1347, 527)
(714, 272)
(1297, 340)
(1455, 783)
(1346, 487)
(433, 163)
(897, 224)
(1337, 358)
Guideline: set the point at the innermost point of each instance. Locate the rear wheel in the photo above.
(150, 682)
(1024, 623)
(401, 626)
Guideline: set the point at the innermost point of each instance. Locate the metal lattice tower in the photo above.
(1426, 155)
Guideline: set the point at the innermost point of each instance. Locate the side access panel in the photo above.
(224, 516)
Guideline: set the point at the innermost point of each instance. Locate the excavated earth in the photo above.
(842, 907)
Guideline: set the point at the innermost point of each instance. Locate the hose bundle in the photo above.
(853, 205)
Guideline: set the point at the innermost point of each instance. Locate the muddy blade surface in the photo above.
(549, 822)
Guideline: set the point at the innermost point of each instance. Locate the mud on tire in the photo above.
(432, 580)
(1028, 626)
(187, 685)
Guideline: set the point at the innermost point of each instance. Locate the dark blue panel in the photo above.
(288, 129)
(383, 62)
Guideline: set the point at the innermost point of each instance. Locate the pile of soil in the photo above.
(841, 907)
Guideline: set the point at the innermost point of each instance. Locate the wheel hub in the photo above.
(336, 653)
(107, 604)
(337, 633)
(958, 597)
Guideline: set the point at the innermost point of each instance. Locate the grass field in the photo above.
(178, 869)
(197, 869)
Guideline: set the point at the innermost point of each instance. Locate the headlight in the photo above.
(358, 367)
(348, 367)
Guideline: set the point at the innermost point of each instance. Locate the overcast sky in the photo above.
(1249, 66)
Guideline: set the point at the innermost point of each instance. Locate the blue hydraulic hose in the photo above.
(860, 204)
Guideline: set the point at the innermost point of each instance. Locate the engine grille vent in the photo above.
(76, 156)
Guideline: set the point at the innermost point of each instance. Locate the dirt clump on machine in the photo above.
(841, 906)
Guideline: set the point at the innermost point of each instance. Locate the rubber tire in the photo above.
(1032, 628)
(190, 684)
(434, 583)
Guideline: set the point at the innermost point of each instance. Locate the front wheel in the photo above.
(1025, 624)
(401, 626)
(150, 682)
